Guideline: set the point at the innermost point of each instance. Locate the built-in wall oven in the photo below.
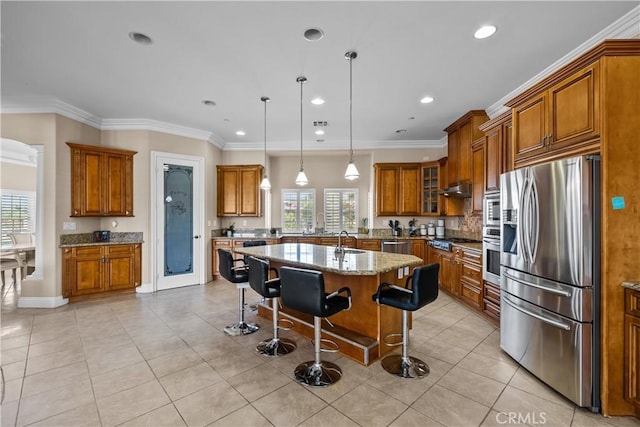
(491, 238)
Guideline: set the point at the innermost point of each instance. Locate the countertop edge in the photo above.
(631, 284)
(75, 245)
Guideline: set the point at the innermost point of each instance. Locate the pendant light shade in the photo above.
(301, 179)
(352, 171)
(265, 184)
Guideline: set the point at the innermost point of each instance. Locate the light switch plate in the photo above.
(68, 225)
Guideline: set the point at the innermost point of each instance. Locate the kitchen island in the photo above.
(360, 331)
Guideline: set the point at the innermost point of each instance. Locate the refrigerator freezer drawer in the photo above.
(555, 349)
(570, 301)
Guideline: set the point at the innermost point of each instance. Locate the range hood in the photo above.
(460, 191)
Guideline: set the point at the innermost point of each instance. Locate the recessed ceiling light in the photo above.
(319, 132)
(317, 101)
(313, 34)
(140, 38)
(240, 133)
(485, 31)
(426, 100)
(209, 103)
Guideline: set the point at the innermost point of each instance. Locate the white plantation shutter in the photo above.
(298, 207)
(17, 214)
(341, 209)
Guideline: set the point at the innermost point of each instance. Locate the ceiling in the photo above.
(78, 57)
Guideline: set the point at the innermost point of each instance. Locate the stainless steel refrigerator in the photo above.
(550, 274)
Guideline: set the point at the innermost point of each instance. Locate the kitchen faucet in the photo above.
(339, 248)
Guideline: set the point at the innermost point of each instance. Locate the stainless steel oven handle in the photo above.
(537, 316)
(533, 285)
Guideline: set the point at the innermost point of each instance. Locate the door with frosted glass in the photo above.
(177, 224)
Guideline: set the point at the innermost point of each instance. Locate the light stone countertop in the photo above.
(631, 284)
(323, 258)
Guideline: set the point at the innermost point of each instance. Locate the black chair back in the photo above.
(225, 266)
(425, 285)
(259, 276)
(250, 243)
(303, 290)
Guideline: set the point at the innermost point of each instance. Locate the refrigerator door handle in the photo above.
(541, 318)
(522, 219)
(534, 285)
(534, 220)
(526, 208)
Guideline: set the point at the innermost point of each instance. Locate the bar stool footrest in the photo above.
(335, 347)
(386, 340)
(290, 324)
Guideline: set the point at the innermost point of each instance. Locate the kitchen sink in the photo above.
(353, 251)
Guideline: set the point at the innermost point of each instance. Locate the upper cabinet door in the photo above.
(530, 127)
(387, 178)
(239, 190)
(575, 108)
(101, 181)
(410, 200)
(398, 188)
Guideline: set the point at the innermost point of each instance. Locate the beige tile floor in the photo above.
(163, 360)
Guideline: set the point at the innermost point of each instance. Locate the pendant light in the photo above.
(301, 179)
(265, 184)
(352, 172)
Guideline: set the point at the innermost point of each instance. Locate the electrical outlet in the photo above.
(68, 225)
(244, 222)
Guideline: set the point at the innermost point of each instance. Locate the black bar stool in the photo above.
(269, 288)
(303, 290)
(240, 276)
(424, 290)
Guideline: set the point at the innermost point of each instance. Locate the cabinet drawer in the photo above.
(471, 293)
(222, 244)
(491, 309)
(88, 251)
(632, 302)
(370, 245)
(471, 273)
(119, 250)
(472, 257)
(328, 241)
(311, 240)
(491, 293)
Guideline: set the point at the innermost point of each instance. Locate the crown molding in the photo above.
(162, 127)
(626, 27)
(310, 146)
(36, 104)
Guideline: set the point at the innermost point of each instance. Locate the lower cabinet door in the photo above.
(120, 267)
(87, 276)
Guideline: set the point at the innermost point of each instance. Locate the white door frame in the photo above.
(158, 158)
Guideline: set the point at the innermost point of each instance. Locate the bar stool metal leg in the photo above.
(276, 346)
(317, 373)
(405, 366)
(241, 327)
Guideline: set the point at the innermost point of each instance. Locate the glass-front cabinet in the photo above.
(430, 202)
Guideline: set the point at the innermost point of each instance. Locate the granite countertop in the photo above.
(631, 284)
(323, 258)
(87, 239)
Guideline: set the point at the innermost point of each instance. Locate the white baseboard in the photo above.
(42, 302)
(145, 288)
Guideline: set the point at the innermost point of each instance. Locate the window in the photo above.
(17, 214)
(341, 209)
(298, 207)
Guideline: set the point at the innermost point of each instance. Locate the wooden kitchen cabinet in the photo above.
(469, 263)
(229, 245)
(632, 348)
(239, 190)
(562, 118)
(461, 135)
(369, 244)
(491, 301)
(448, 206)
(398, 187)
(478, 174)
(94, 269)
(498, 150)
(430, 179)
(447, 277)
(101, 181)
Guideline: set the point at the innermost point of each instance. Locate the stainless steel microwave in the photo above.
(491, 210)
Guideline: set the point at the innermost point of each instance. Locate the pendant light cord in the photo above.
(301, 83)
(265, 135)
(350, 110)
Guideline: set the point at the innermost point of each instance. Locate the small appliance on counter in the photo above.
(423, 229)
(440, 229)
(431, 231)
(101, 236)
